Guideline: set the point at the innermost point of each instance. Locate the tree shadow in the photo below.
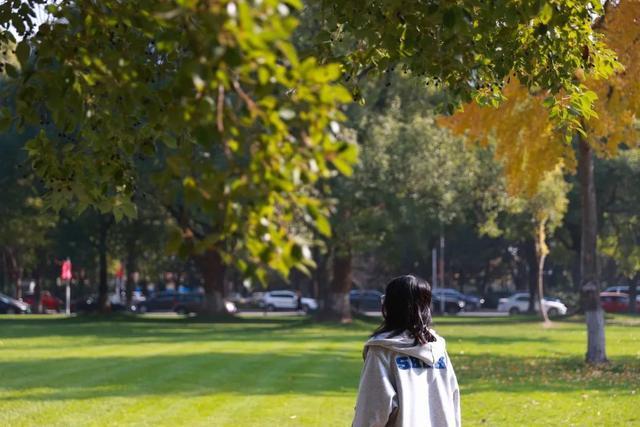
(258, 370)
(194, 374)
(177, 330)
(306, 373)
(527, 374)
(495, 339)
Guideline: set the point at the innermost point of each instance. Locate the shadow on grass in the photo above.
(134, 318)
(479, 321)
(259, 371)
(481, 373)
(196, 374)
(495, 339)
(121, 329)
(310, 373)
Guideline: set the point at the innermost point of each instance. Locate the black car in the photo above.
(162, 301)
(471, 302)
(90, 305)
(366, 300)
(10, 305)
(188, 303)
(447, 304)
(181, 303)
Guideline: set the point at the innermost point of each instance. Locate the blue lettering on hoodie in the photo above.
(403, 362)
(440, 364)
(410, 362)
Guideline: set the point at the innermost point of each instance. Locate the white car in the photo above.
(519, 303)
(624, 289)
(286, 300)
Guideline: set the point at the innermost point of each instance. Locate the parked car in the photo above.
(49, 302)
(90, 305)
(492, 299)
(188, 303)
(286, 300)
(616, 302)
(447, 304)
(161, 301)
(181, 303)
(256, 299)
(519, 303)
(623, 289)
(366, 300)
(10, 305)
(471, 302)
(618, 289)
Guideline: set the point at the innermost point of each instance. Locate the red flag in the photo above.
(120, 271)
(66, 270)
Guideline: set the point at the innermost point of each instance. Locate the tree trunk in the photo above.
(339, 307)
(541, 254)
(130, 267)
(530, 248)
(37, 295)
(543, 312)
(15, 272)
(213, 269)
(589, 281)
(441, 259)
(324, 285)
(633, 292)
(320, 274)
(5, 273)
(103, 285)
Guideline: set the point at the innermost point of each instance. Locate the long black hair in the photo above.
(407, 307)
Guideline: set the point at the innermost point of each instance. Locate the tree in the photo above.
(620, 236)
(472, 48)
(213, 97)
(545, 211)
(217, 93)
(24, 223)
(527, 138)
(139, 241)
(412, 181)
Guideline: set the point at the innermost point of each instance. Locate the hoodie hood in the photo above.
(404, 343)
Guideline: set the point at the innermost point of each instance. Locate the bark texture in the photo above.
(213, 269)
(337, 306)
(541, 254)
(533, 265)
(590, 284)
(633, 292)
(130, 267)
(103, 285)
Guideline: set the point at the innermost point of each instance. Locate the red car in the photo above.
(616, 302)
(49, 302)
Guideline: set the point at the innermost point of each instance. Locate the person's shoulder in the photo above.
(439, 338)
(371, 349)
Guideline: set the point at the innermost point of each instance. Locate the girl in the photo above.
(407, 379)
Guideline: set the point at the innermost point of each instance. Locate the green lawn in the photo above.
(289, 372)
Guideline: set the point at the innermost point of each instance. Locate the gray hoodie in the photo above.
(407, 385)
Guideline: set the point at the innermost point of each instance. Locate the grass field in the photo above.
(289, 372)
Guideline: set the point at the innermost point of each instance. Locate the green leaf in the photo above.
(23, 51)
(12, 71)
(323, 226)
(546, 13)
(6, 118)
(449, 18)
(342, 165)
